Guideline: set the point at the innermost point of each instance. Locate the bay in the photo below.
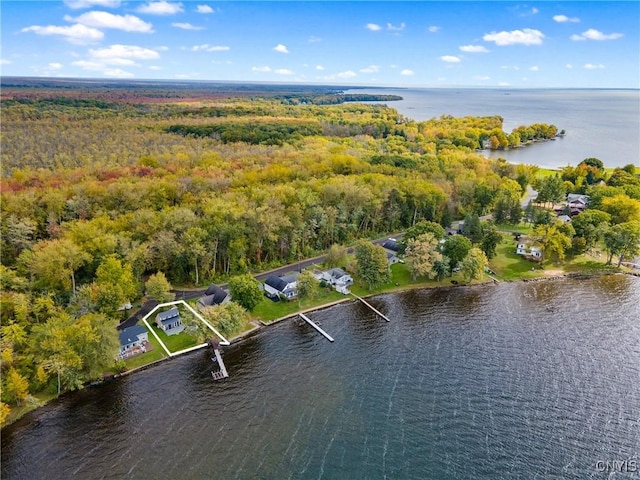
(604, 124)
(508, 381)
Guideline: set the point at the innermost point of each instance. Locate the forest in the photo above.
(102, 188)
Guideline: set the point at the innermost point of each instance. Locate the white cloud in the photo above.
(374, 27)
(204, 9)
(161, 7)
(347, 74)
(591, 66)
(526, 36)
(313, 39)
(78, 34)
(395, 28)
(450, 59)
(205, 47)
(534, 68)
(407, 72)
(504, 84)
(434, 28)
(281, 48)
(319, 67)
(565, 19)
(55, 66)
(283, 71)
(123, 54)
(186, 26)
(509, 67)
(482, 78)
(118, 73)
(474, 49)
(155, 67)
(264, 69)
(128, 23)
(568, 65)
(77, 4)
(4, 61)
(593, 34)
(370, 69)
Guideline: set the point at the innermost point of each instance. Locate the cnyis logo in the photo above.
(620, 466)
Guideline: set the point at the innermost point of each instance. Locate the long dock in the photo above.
(222, 373)
(308, 320)
(370, 306)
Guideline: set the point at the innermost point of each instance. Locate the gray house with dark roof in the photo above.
(275, 286)
(133, 340)
(170, 322)
(214, 295)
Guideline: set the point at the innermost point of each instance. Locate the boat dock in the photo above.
(308, 320)
(222, 373)
(371, 307)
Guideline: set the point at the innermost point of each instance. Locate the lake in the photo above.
(515, 380)
(599, 123)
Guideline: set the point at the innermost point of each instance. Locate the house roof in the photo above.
(214, 295)
(276, 282)
(167, 315)
(130, 334)
(336, 273)
(391, 244)
(290, 277)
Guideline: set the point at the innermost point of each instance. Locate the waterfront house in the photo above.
(529, 252)
(133, 340)
(284, 286)
(214, 295)
(336, 276)
(170, 322)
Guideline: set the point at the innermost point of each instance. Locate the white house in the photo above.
(133, 340)
(170, 322)
(529, 251)
(275, 286)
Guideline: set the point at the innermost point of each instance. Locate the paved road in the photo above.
(191, 294)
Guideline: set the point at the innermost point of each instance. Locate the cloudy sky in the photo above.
(421, 43)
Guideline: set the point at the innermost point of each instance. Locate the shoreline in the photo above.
(260, 325)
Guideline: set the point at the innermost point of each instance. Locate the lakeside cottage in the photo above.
(275, 286)
(214, 295)
(530, 252)
(170, 322)
(133, 341)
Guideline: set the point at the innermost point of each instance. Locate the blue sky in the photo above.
(572, 44)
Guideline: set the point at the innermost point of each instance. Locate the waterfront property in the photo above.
(214, 295)
(530, 252)
(133, 341)
(284, 286)
(337, 278)
(170, 322)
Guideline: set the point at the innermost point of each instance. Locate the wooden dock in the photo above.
(222, 373)
(370, 306)
(308, 320)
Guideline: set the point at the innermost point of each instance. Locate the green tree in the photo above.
(441, 268)
(474, 263)
(421, 255)
(623, 240)
(15, 387)
(472, 229)
(491, 238)
(622, 208)
(456, 248)
(228, 318)
(336, 256)
(553, 241)
(115, 285)
(419, 229)
(159, 288)
(372, 268)
(245, 291)
(590, 225)
(306, 285)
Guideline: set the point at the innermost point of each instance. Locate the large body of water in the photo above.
(535, 380)
(599, 123)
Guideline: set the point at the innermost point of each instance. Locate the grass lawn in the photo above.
(268, 310)
(149, 357)
(546, 172)
(525, 228)
(510, 266)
